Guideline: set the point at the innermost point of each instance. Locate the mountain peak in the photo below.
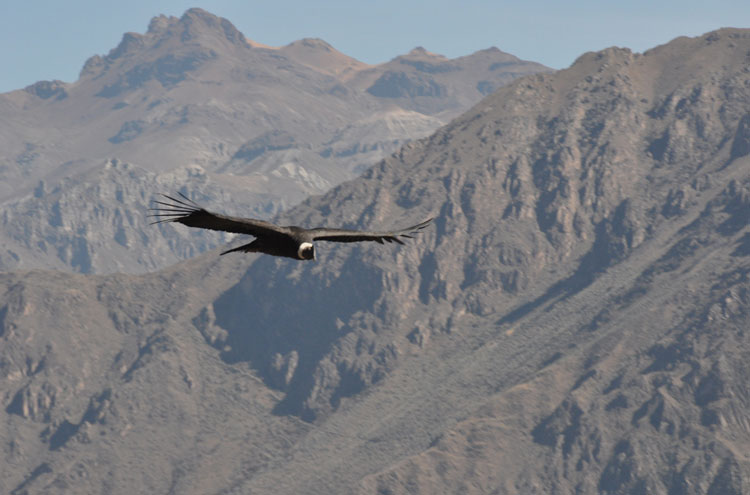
(493, 50)
(321, 56)
(422, 52)
(199, 13)
(312, 43)
(196, 27)
(160, 24)
(197, 21)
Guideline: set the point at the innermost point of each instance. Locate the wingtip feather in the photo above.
(175, 210)
(188, 199)
(162, 221)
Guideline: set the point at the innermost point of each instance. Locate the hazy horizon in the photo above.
(57, 38)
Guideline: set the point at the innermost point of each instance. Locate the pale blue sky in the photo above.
(51, 39)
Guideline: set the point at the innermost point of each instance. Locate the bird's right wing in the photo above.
(187, 212)
(343, 235)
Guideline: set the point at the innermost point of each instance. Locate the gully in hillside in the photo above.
(290, 242)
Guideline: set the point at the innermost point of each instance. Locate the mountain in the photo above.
(576, 320)
(421, 80)
(193, 97)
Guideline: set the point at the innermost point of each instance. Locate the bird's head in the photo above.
(306, 251)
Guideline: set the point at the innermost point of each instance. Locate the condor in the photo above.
(289, 242)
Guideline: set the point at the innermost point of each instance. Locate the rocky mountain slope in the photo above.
(194, 97)
(576, 321)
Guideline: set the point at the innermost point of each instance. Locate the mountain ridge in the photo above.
(576, 319)
(194, 92)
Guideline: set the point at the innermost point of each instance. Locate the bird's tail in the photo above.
(245, 248)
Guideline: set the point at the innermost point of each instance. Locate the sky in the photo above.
(51, 39)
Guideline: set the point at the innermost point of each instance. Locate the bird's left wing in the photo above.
(344, 235)
(187, 212)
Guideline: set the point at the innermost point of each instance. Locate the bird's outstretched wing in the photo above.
(187, 212)
(343, 235)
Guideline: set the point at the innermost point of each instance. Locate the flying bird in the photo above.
(290, 242)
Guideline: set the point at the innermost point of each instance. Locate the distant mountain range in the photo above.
(576, 321)
(194, 105)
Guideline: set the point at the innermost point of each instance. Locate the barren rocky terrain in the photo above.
(194, 105)
(576, 320)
